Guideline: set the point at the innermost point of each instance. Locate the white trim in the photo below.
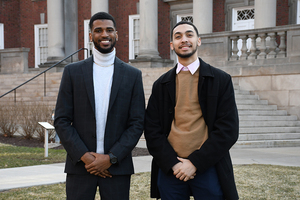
(131, 35)
(87, 43)
(298, 12)
(37, 51)
(1, 36)
(178, 17)
(247, 24)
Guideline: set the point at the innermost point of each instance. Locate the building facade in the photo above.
(54, 29)
(256, 41)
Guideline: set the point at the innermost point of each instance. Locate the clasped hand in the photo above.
(97, 164)
(184, 170)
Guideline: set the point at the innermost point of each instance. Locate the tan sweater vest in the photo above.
(188, 129)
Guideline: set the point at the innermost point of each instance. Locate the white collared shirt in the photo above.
(191, 67)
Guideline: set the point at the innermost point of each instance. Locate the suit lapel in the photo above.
(117, 80)
(87, 71)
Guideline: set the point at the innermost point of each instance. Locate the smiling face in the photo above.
(185, 42)
(104, 35)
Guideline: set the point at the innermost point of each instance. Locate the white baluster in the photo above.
(244, 48)
(253, 54)
(272, 53)
(262, 54)
(234, 48)
(282, 46)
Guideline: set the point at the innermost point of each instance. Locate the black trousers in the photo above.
(85, 186)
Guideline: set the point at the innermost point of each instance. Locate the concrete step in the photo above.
(269, 123)
(245, 96)
(269, 136)
(238, 92)
(249, 130)
(267, 118)
(251, 102)
(262, 112)
(256, 107)
(267, 144)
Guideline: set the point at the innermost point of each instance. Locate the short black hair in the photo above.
(184, 22)
(101, 15)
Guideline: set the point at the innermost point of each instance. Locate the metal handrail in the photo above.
(43, 72)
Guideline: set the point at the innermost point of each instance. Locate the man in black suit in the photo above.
(191, 122)
(99, 117)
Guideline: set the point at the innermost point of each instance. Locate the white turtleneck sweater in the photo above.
(103, 69)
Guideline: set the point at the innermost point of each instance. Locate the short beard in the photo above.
(101, 50)
(185, 55)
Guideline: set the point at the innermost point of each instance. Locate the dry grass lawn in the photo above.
(259, 182)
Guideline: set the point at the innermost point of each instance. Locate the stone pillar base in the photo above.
(14, 60)
(57, 68)
(151, 62)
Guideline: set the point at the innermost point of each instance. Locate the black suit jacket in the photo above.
(217, 101)
(75, 120)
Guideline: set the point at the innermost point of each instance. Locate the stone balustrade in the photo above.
(258, 46)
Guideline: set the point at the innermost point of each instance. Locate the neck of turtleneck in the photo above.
(104, 59)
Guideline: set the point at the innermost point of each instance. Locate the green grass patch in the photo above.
(18, 156)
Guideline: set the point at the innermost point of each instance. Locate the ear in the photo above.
(171, 46)
(199, 42)
(117, 36)
(91, 37)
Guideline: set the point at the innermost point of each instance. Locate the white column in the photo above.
(203, 15)
(71, 28)
(265, 13)
(99, 6)
(148, 29)
(55, 11)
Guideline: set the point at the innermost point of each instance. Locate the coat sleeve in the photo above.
(155, 132)
(223, 125)
(68, 135)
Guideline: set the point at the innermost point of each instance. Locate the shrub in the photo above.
(44, 115)
(9, 119)
(28, 120)
(24, 118)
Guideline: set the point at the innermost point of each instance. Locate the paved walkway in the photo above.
(19, 177)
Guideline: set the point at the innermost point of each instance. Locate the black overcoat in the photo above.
(217, 101)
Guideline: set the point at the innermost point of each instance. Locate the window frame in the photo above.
(131, 35)
(37, 51)
(86, 37)
(1, 36)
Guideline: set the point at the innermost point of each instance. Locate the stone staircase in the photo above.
(32, 91)
(261, 124)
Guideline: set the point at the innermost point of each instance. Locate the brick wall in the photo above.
(120, 10)
(84, 13)
(9, 16)
(164, 29)
(19, 18)
(282, 10)
(30, 16)
(218, 16)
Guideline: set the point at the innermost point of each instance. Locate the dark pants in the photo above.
(85, 187)
(204, 186)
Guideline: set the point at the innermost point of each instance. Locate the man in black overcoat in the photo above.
(179, 169)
